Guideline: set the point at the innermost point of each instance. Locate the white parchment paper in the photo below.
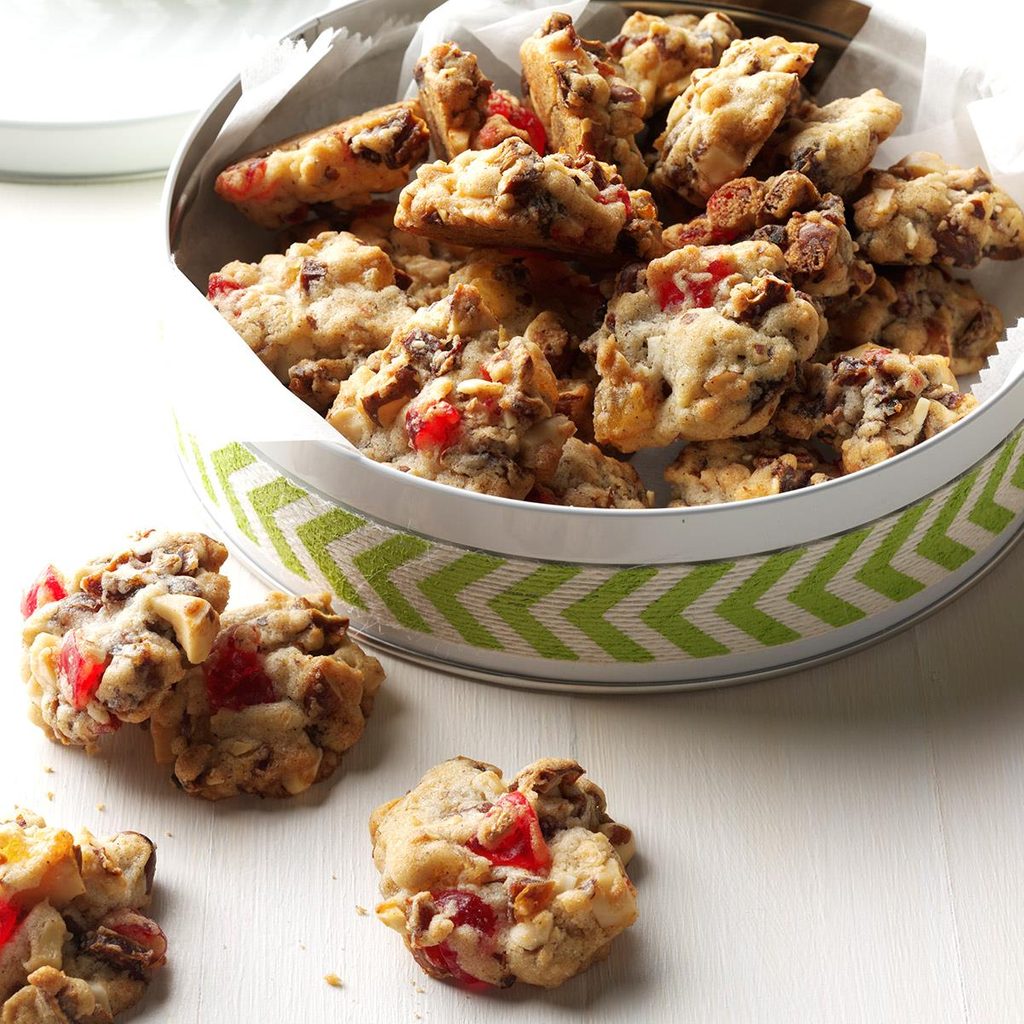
(967, 110)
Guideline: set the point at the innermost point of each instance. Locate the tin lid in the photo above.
(107, 88)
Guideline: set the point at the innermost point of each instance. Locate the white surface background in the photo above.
(840, 845)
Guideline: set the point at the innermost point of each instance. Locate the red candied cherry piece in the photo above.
(249, 185)
(463, 908)
(617, 194)
(699, 293)
(47, 587)
(220, 285)
(519, 117)
(435, 427)
(9, 920)
(235, 677)
(523, 845)
(82, 672)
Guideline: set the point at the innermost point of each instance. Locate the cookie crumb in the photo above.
(362, 911)
(101, 807)
(47, 769)
(302, 946)
(49, 795)
(170, 835)
(334, 877)
(333, 980)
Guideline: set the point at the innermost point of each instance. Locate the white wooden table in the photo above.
(840, 845)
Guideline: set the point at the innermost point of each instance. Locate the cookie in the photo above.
(284, 693)
(699, 345)
(587, 478)
(329, 298)
(104, 645)
(74, 943)
(464, 110)
(445, 401)
(920, 311)
(657, 55)
(341, 165)
(833, 145)
(491, 883)
(713, 472)
(923, 210)
(717, 126)
(873, 403)
(810, 229)
(587, 108)
(511, 197)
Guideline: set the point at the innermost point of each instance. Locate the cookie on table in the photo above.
(74, 943)
(717, 126)
(422, 266)
(104, 645)
(920, 311)
(493, 882)
(283, 694)
(699, 345)
(329, 298)
(464, 110)
(657, 55)
(511, 197)
(588, 109)
(872, 403)
(713, 472)
(342, 165)
(924, 210)
(587, 478)
(834, 144)
(445, 401)
(821, 257)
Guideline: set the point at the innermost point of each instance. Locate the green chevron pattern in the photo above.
(513, 606)
(267, 500)
(810, 593)
(227, 461)
(380, 562)
(567, 613)
(739, 607)
(588, 614)
(316, 535)
(443, 587)
(878, 574)
(665, 615)
(936, 545)
(987, 513)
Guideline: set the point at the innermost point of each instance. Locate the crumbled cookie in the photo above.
(510, 196)
(577, 90)
(422, 266)
(712, 472)
(446, 402)
(717, 126)
(341, 165)
(920, 311)
(587, 478)
(834, 144)
(491, 883)
(74, 944)
(873, 403)
(103, 646)
(329, 298)
(699, 345)
(923, 210)
(284, 693)
(658, 55)
(464, 110)
(787, 210)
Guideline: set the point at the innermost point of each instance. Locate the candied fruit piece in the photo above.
(505, 105)
(82, 672)
(617, 194)
(241, 185)
(696, 291)
(234, 673)
(48, 587)
(522, 845)
(220, 285)
(435, 427)
(8, 922)
(463, 908)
